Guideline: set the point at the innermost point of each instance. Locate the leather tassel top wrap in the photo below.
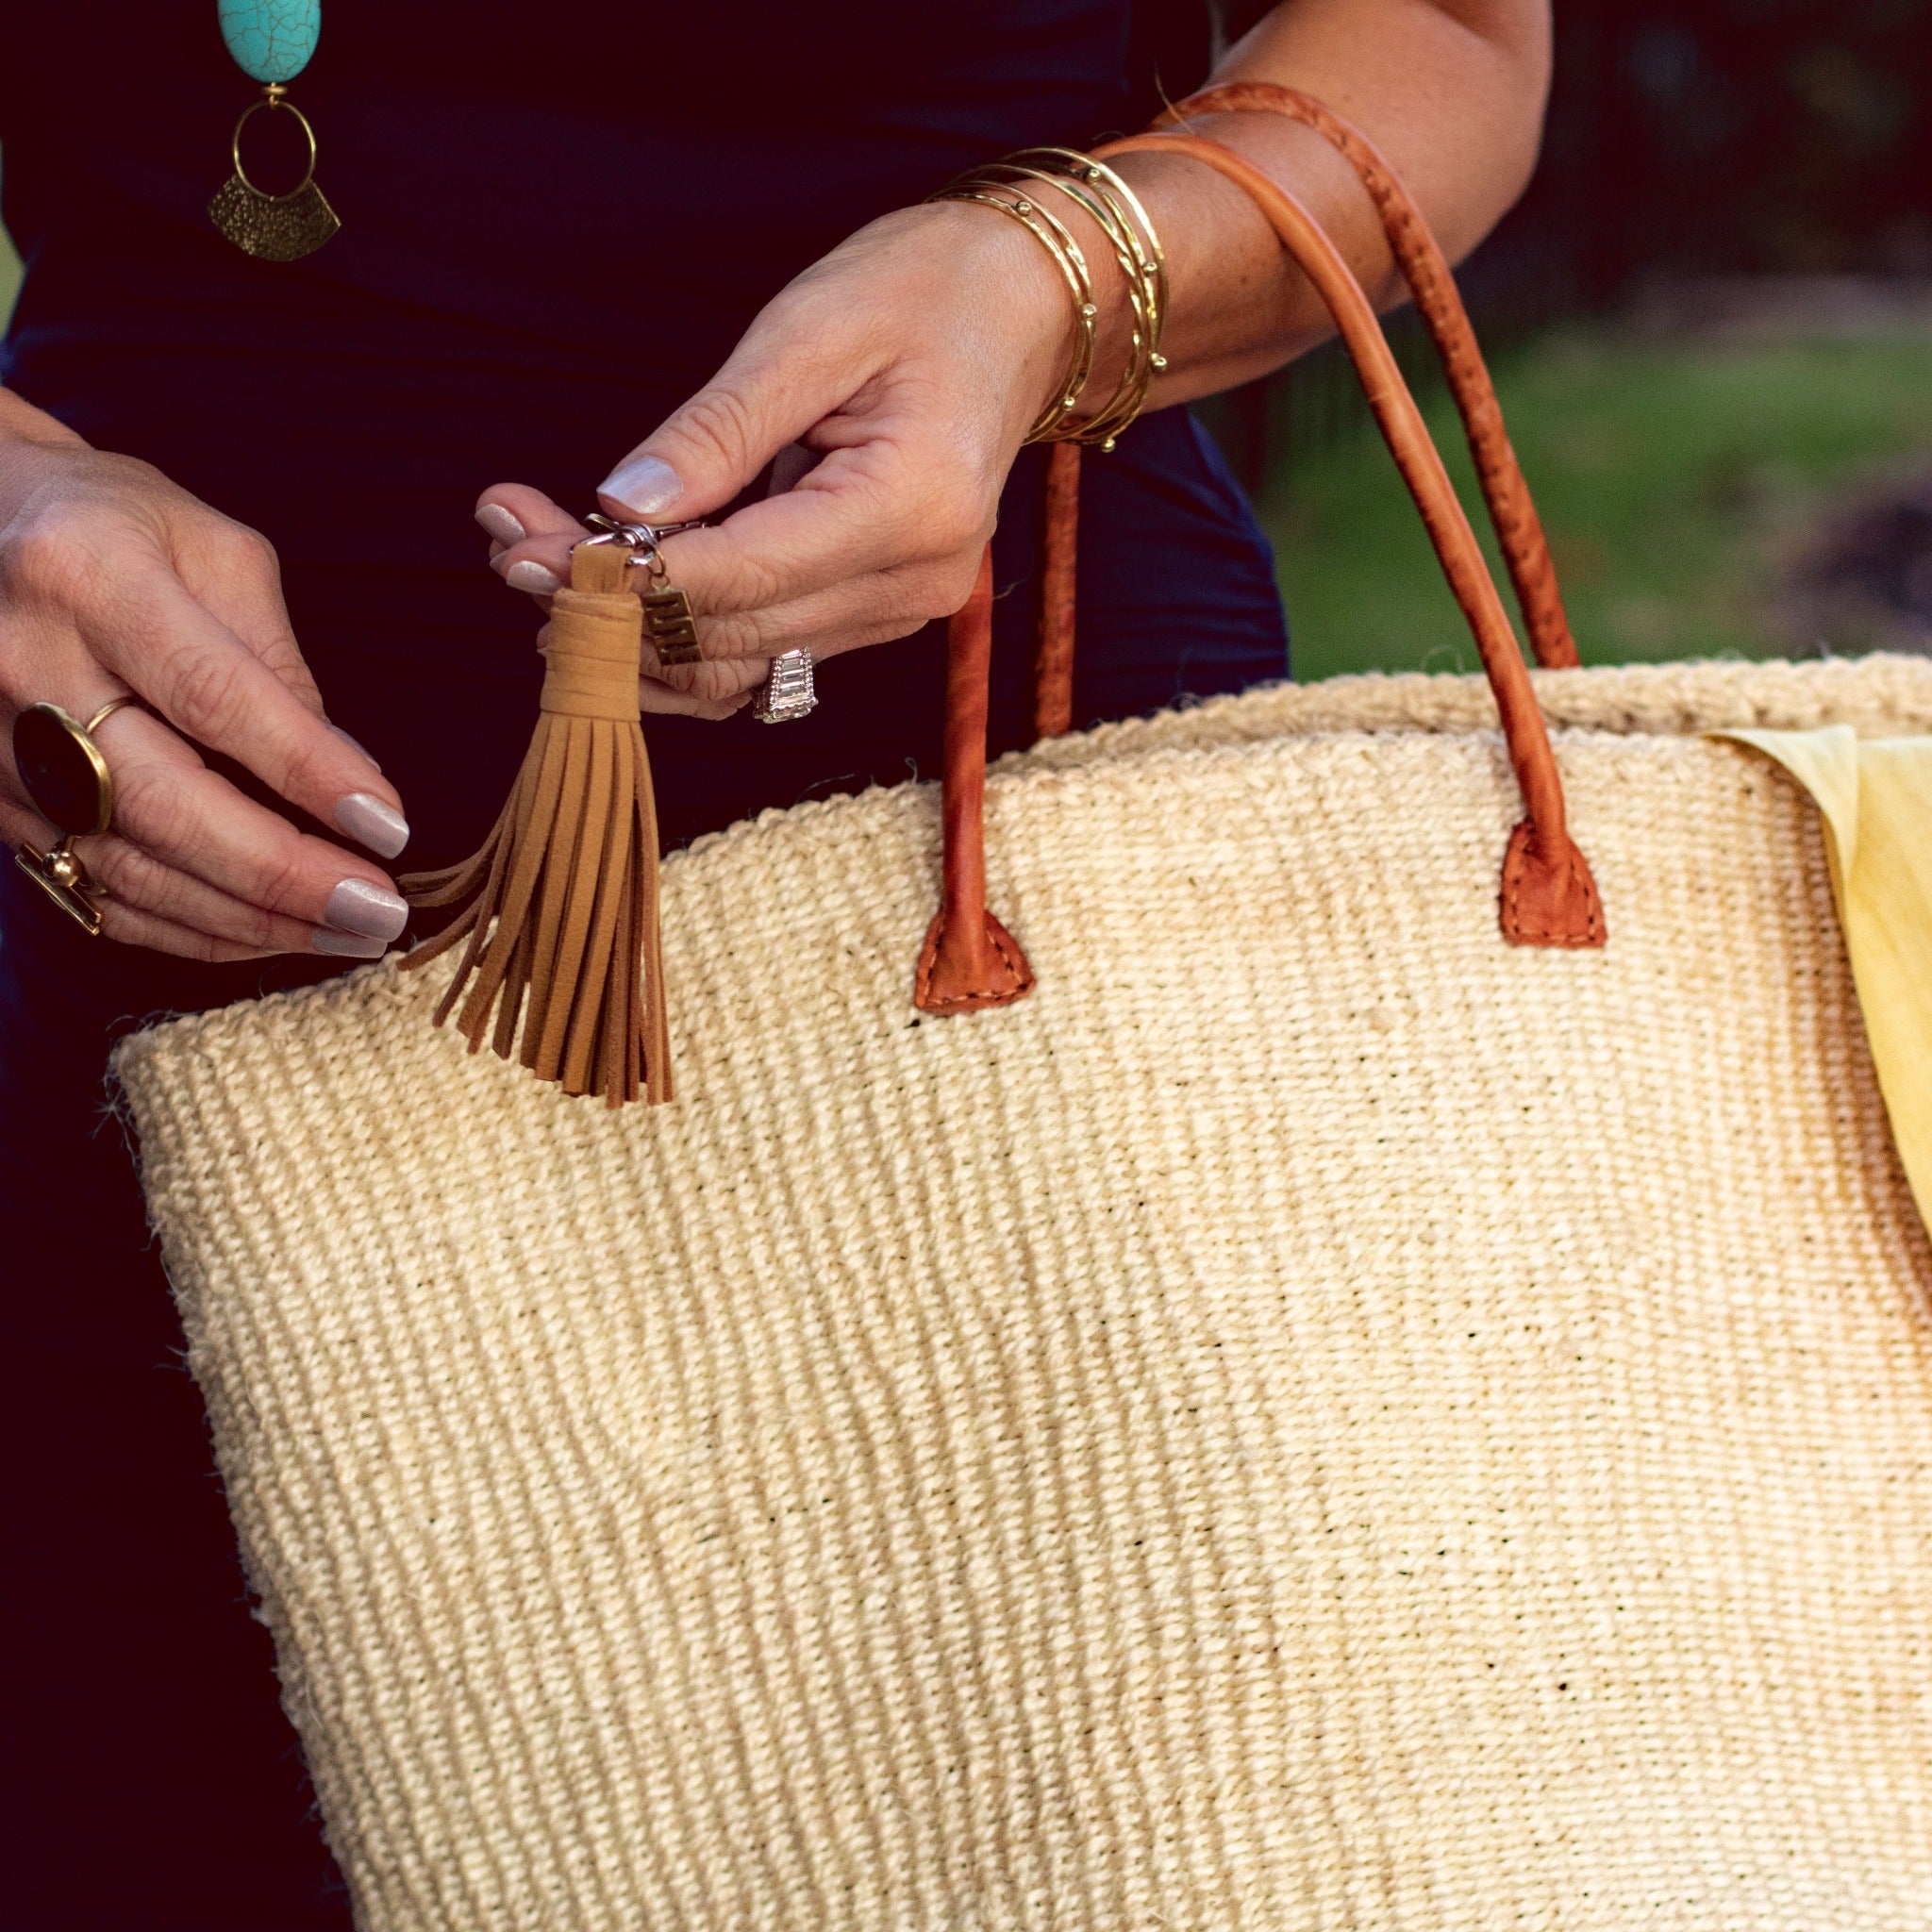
(591, 657)
(563, 893)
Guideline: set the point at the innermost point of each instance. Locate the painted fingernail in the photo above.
(643, 486)
(357, 744)
(531, 575)
(355, 906)
(372, 824)
(349, 945)
(500, 523)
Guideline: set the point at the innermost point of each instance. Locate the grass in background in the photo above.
(1675, 479)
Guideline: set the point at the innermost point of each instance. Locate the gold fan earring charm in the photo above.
(272, 42)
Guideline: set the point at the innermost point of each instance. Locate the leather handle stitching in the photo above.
(1015, 960)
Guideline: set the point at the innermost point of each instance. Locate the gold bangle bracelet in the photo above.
(1057, 240)
(1133, 227)
(1121, 408)
(1133, 223)
(1108, 182)
(1119, 212)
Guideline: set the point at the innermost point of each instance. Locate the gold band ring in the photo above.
(108, 711)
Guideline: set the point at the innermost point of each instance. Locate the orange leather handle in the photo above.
(968, 959)
(1425, 268)
(1548, 896)
(1415, 455)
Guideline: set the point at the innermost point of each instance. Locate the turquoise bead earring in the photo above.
(272, 42)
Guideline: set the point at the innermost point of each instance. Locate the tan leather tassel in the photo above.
(561, 927)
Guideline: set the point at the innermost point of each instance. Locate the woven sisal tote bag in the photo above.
(1319, 1417)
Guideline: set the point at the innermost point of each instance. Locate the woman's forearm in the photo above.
(1452, 94)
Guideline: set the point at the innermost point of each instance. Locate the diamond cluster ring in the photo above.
(787, 693)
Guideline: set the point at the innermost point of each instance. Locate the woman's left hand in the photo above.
(908, 364)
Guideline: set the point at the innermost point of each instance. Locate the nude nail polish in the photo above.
(500, 523)
(372, 824)
(358, 907)
(531, 575)
(348, 946)
(643, 486)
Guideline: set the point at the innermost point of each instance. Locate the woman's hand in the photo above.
(910, 361)
(115, 580)
(907, 365)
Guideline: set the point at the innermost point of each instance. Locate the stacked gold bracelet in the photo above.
(1054, 236)
(1115, 208)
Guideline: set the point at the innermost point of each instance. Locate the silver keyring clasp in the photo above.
(639, 537)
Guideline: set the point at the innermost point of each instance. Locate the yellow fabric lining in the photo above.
(1876, 797)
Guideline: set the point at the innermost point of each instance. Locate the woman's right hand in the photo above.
(113, 580)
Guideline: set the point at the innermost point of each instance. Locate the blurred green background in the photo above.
(1704, 495)
(1709, 322)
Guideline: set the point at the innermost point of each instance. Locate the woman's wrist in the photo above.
(1035, 306)
(21, 422)
(1236, 304)
(1021, 291)
(28, 438)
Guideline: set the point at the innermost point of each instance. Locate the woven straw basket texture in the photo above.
(1318, 1419)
